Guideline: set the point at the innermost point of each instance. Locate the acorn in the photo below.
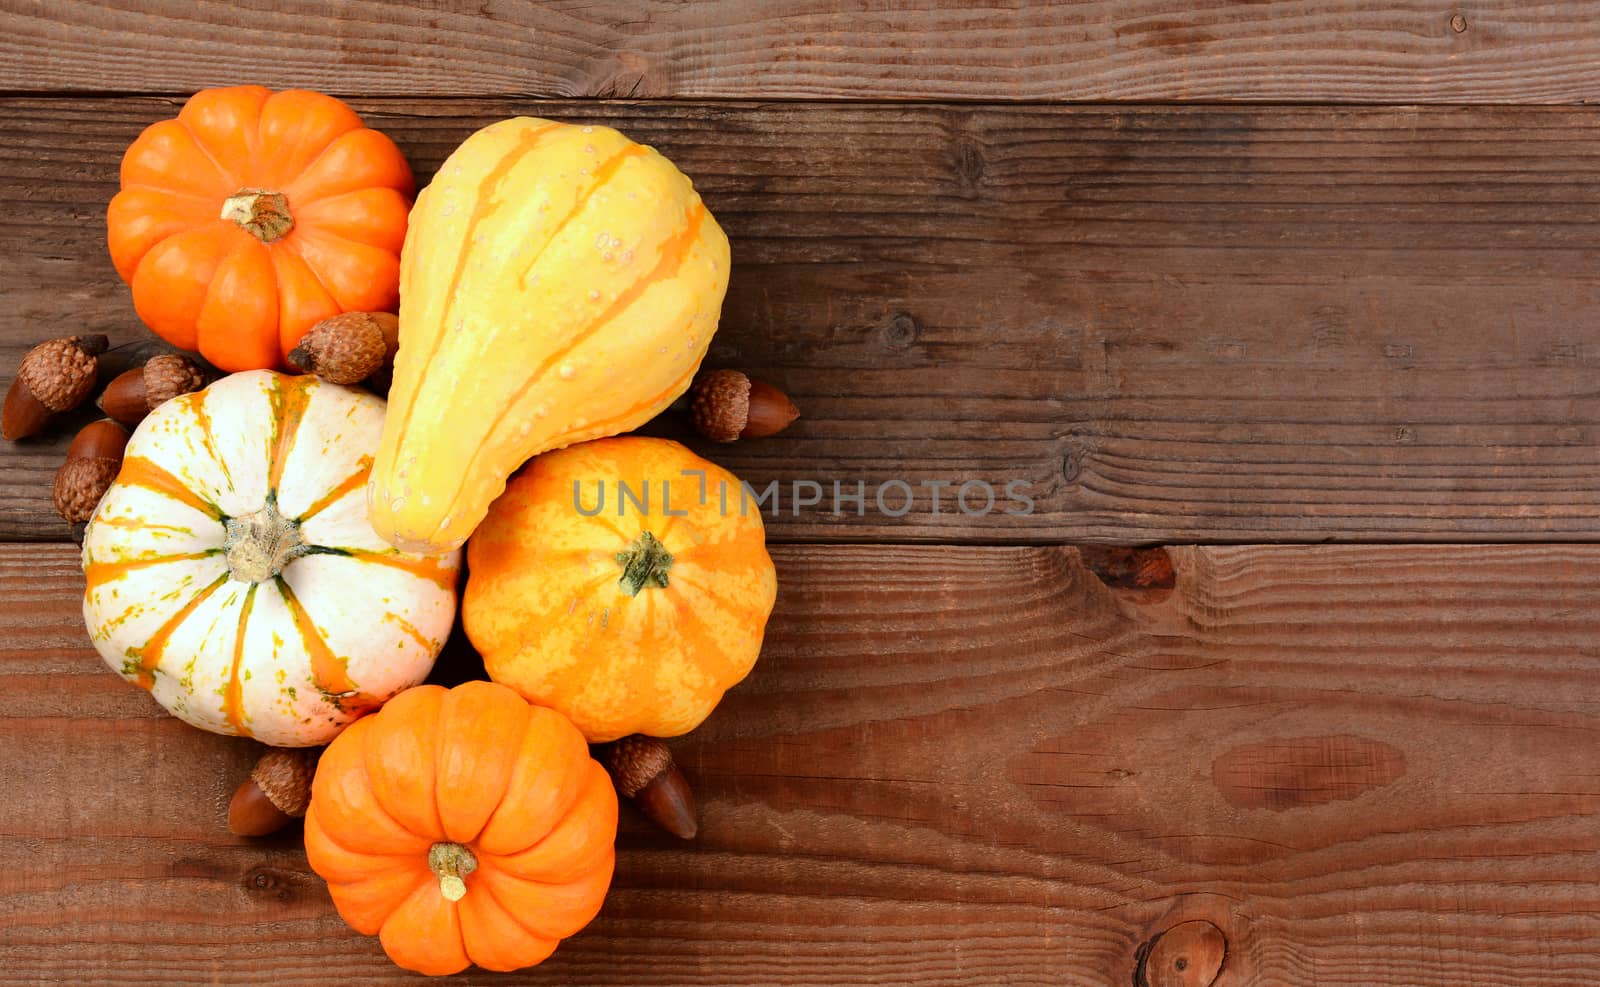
(54, 377)
(726, 405)
(643, 770)
(93, 460)
(276, 793)
(346, 348)
(137, 392)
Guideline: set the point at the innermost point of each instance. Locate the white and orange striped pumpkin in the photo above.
(233, 572)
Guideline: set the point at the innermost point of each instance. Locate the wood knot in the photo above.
(1189, 954)
(1143, 574)
(901, 332)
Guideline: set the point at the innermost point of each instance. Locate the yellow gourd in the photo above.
(558, 283)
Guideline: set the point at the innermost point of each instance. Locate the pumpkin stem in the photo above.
(451, 863)
(644, 563)
(259, 545)
(260, 213)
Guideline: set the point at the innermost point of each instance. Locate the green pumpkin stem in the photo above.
(644, 563)
(451, 863)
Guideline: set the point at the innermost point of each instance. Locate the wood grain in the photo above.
(1172, 324)
(1363, 765)
(1490, 51)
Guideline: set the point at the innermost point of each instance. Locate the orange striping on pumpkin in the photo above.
(423, 567)
(349, 483)
(140, 472)
(605, 425)
(150, 654)
(96, 574)
(672, 255)
(602, 176)
(483, 208)
(330, 672)
(289, 401)
(410, 629)
(233, 699)
(202, 417)
(671, 259)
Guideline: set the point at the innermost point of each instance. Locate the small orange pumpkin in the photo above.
(254, 215)
(624, 582)
(463, 826)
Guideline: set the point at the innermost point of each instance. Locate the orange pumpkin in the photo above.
(463, 826)
(631, 611)
(254, 215)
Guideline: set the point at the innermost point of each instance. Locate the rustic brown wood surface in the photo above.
(1172, 324)
(1363, 765)
(972, 754)
(1490, 51)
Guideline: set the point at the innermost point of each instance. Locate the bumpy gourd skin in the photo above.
(558, 283)
(548, 606)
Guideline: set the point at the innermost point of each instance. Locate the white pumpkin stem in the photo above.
(260, 213)
(451, 863)
(261, 544)
(644, 563)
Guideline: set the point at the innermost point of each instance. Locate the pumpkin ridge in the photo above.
(175, 192)
(483, 207)
(316, 275)
(144, 670)
(425, 567)
(97, 574)
(339, 490)
(202, 416)
(671, 260)
(233, 700)
(329, 672)
(289, 403)
(137, 471)
(484, 888)
(226, 175)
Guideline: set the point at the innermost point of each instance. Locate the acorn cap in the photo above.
(720, 404)
(80, 483)
(284, 774)
(636, 761)
(62, 372)
(168, 375)
(343, 349)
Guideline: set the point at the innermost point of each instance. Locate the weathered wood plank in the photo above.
(1173, 324)
(1492, 51)
(1364, 765)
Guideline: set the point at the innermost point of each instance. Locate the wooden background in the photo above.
(1303, 293)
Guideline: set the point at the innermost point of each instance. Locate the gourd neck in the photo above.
(644, 563)
(259, 545)
(451, 863)
(262, 213)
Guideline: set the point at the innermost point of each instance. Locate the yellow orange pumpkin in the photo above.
(634, 618)
(558, 283)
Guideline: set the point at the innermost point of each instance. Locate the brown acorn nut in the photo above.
(55, 376)
(726, 405)
(643, 770)
(277, 791)
(346, 348)
(93, 460)
(137, 392)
